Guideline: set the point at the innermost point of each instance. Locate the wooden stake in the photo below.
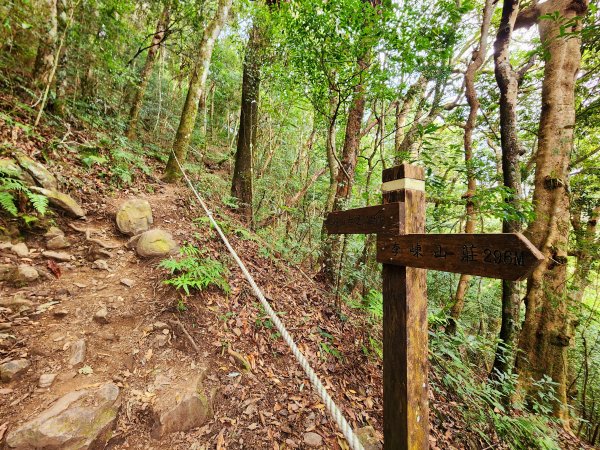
(405, 360)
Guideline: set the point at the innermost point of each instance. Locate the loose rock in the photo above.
(25, 274)
(13, 369)
(134, 217)
(20, 250)
(59, 256)
(46, 380)
(62, 201)
(57, 243)
(127, 282)
(155, 243)
(368, 438)
(53, 232)
(180, 408)
(101, 316)
(100, 264)
(78, 349)
(81, 419)
(13, 170)
(313, 439)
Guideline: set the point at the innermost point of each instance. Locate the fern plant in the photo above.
(191, 271)
(10, 189)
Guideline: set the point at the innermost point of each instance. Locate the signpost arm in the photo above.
(406, 410)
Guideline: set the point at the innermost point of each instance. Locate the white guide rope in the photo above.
(335, 412)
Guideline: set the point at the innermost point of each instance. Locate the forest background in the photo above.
(286, 110)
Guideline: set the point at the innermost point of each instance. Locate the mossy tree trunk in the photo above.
(547, 329)
(144, 78)
(196, 89)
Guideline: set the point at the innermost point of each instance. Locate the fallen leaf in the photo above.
(221, 440)
(54, 268)
(86, 370)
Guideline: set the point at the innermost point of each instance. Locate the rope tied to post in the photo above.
(331, 407)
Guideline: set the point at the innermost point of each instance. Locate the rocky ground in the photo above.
(94, 352)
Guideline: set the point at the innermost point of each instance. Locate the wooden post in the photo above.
(405, 360)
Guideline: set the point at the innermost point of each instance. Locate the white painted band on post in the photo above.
(403, 183)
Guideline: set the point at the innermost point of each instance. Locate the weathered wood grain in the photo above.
(509, 256)
(372, 219)
(405, 351)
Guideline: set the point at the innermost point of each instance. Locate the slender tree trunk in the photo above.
(508, 84)
(344, 176)
(44, 59)
(414, 93)
(241, 184)
(476, 62)
(547, 329)
(195, 91)
(144, 78)
(65, 12)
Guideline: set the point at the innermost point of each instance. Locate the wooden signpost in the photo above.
(406, 252)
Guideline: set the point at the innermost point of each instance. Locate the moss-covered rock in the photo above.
(41, 175)
(134, 217)
(81, 419)
(62, 201)
(155, 243)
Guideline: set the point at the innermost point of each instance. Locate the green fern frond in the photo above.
(39, 202)
(7, 203)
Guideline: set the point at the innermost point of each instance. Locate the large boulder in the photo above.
(11, 168)
(43, 177)
(180, 407)
(134, 216)
(62, 201)
(155, 242)
(82, 419)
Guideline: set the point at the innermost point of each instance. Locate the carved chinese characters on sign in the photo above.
(507, 256)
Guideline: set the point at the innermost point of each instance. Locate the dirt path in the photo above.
(141, 347)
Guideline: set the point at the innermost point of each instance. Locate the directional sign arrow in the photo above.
(372, 219)
(509, 256)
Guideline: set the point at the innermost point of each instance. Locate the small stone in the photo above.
(13, 369)
(53, 232)
(159, 325)
(368, 438)
(25, 274)
(127, 282)
(59, 314)
(20, 250)
(134, 217)
(109, 336)
(59, 256)
(17, 301)
(155, 242)
(57, 243)
(6, 271)
(78, 349)
(100, 264)
(313, 439)
(46, 380)
(101, 316)
(160, 340)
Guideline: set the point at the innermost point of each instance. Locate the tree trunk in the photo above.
(44, 59)
(241, 184)
(547, 329)
(344, 177)
(195, 91)
(65, 16)
(508, 84)
(476, 62)
(138, 98)
(415, 92)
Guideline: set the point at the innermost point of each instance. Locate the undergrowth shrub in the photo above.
(483, 402)
(193, 272)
